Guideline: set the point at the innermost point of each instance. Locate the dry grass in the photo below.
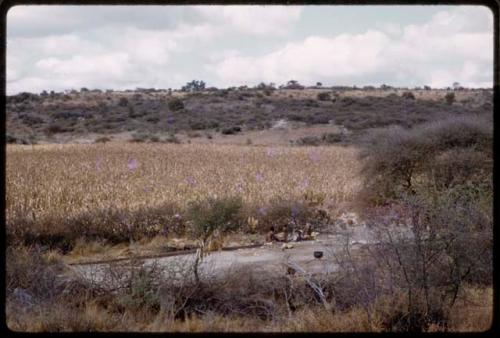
(476, 316)
(50, 185)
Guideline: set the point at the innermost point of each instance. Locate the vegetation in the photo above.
(418, 173)
(162, 112)
(175, 104)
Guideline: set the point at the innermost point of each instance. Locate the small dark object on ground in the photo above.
(318, 254)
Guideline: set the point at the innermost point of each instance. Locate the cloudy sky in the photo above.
(124, 47)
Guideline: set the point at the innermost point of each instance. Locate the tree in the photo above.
(194, 86)
(293, 84)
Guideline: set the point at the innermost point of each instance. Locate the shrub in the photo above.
(55, 128)
(138, 137)
(435, 154)
(210, 219)
(12, 139)
(211, 214)
(172, 139)
(198, 125)
(175, 104)
(324, 96)
(450, 98)
(102, 139)
(308, 141)
(123, 102)
(330, 138)
(30, 120)
(231, 130)
(408, 95)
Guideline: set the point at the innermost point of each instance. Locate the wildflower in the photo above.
(259, 177)
(314, 156)
(98, 164)
(132, 164)
(191, 181)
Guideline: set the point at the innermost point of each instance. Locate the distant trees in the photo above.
(194, 86)
(293, 84)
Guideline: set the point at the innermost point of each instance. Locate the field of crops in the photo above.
(51, 184)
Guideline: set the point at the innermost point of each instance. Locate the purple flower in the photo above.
(132, 164)
(170, 120)
(259, 177)
(98, 164)
(314, 156)
(191, 181)
(239, 187)
(262, 211)
(270, 152)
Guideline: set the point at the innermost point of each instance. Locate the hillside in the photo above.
(237, 115)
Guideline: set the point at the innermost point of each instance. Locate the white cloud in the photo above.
(454, 45)
(110, 57)
(315, 57)
(124, 47)
(258, 20)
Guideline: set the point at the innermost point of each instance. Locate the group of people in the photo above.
(297, 234)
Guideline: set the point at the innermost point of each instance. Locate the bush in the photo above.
(308, 141)
(123, 102)
(231, 130)
(436, 154)
(324, 96)
(102, 139)
(212, 214)
(55, 128)
(175, 104)
(330, 138)
(138, 138)
(408, 95)
(172, 139)
(450, 98)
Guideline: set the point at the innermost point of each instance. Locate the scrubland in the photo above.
(433, 177)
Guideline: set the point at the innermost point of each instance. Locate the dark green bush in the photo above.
(102, 139)
(123, 102)
(231, 130)
(450, 98)
(324, 96)
(212, 214)
(408, 95)
(175, 104)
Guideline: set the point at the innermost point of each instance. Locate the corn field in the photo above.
(53, 183)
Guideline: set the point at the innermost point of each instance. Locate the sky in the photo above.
(127, 47)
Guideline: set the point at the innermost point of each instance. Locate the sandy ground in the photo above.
(267, 258)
